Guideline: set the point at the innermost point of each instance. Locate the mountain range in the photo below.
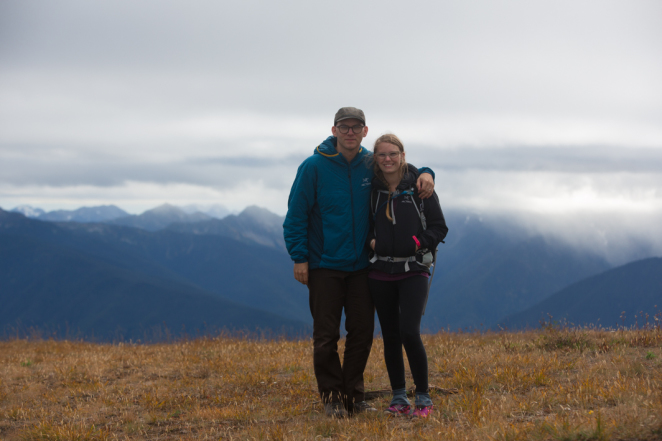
(487, 272)
(111, 281)
(100, 213)
(158, 218)
(628, 295)
(253, 225)
(153, 219)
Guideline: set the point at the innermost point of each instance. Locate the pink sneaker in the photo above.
(398, 410)
(422, 412)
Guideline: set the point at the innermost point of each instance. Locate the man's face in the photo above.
(350, 140)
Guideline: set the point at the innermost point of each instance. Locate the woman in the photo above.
(405, 233)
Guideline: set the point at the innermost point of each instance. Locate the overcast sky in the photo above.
(542, 108)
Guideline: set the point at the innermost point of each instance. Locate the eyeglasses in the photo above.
(345, 129)
(392, 156)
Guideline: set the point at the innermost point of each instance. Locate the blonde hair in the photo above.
(388, 138)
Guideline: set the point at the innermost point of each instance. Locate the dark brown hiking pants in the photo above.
(329, 292)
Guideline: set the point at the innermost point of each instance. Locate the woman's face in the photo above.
(388, 157)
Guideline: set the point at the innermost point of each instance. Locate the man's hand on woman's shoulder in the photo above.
(425, 185)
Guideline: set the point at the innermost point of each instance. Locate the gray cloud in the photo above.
(575, 160)
(509, 56)
(250, 162)
(550, 108)
(62, 165)
(59, 168)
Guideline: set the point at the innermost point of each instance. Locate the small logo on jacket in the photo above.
(366, 182)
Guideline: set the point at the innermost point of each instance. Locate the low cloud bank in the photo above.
(616, 236)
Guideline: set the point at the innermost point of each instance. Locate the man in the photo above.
(325, 232)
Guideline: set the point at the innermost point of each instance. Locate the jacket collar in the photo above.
(328, 149)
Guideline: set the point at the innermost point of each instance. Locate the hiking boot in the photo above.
(398, 410)
(335, 409)
(362, 406)
(422, 411)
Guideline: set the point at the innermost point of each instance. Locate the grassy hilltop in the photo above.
(551, 384)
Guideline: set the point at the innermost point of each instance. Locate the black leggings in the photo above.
(399, 307)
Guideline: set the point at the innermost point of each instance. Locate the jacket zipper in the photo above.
(393, 229)
(351, 199)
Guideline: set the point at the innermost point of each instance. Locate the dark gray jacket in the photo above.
(394, 238)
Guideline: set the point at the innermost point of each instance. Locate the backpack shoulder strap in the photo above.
(420, 211)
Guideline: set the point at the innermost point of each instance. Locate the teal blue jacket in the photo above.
(327, 216)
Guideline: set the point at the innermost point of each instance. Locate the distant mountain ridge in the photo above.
(28, 211)
(107, 281)
(487, 270)
(247, 273)
(611, 299)
(254, 225)
(159, 218)
(101, 213)
(153, 219)
(217, 211)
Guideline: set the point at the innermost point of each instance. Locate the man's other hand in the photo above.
(425, 185)
(301, 272)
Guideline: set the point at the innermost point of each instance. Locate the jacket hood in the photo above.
(328, 149)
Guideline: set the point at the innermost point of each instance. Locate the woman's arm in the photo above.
(436, 223)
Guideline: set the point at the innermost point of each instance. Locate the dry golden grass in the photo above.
(552, 384)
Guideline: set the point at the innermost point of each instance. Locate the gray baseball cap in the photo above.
(349, 113)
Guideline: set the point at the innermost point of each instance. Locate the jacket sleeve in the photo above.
(371, 229)
(426, 170)
(299, 206)
(436, 224)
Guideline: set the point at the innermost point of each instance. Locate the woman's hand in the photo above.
(372, 244)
